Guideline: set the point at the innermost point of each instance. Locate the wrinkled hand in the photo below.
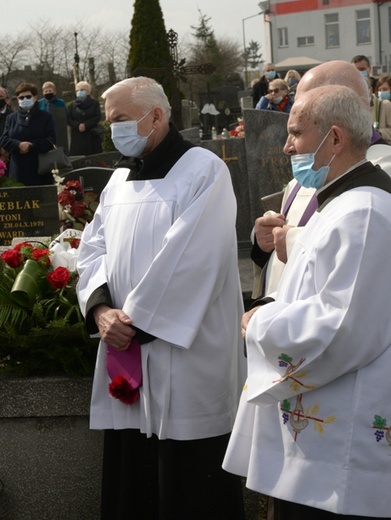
(82, 127)
(246, 318)
(279, 235)
(114, 327)
(263, 229)
(24, 147)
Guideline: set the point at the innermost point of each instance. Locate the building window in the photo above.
(332, 30)
(283, 37)
(305, 41)
(363, 26)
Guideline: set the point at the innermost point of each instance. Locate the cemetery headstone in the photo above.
(91, 178)
(269, 169)
(101, 160)
(233, 153)
(28, 212)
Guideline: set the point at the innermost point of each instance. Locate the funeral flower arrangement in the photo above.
(238, 131)
(76, 206)
(41, 327)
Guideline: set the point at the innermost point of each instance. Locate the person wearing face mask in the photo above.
(381, 107)
(28, 132)
(261, 87)
(154, 288)
(277, 98)
(292, 78)
(84, 115)
(50, 99)
(311, 430)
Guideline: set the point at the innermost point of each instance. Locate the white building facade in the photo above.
(329, 29)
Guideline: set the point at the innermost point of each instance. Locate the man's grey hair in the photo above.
(339, 105)
(145, 93)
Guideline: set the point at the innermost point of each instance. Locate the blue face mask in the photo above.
(126, 138)
(364, 73)
(81, 94)
(277, 100)
(386, 94)
(302, 168)
(270, 74)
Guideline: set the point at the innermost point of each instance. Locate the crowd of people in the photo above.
(270, 92)
(33, 128)
(300, 409)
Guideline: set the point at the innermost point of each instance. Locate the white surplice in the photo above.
(167, 249)
(314, 417)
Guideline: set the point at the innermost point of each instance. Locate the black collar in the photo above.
(366, 174)
(159, 162)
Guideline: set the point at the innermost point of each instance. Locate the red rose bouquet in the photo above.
(77, 207)
(41, 326)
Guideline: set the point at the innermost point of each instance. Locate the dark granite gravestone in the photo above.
(102, 160)
(91, 178)
(269, 169)
(60, 119)
(233, 153)
(28, 212)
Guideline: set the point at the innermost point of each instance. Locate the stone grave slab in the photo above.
(101, 160)
(269, 169)
(91, 178)
(28, 212)
(233, 153)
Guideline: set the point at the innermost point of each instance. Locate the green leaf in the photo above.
(26, 286)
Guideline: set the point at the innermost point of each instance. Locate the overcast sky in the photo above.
(226, 16)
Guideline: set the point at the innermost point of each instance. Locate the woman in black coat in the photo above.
(28, 132)
(83, 118)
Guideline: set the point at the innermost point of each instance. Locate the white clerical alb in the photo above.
(167, 250)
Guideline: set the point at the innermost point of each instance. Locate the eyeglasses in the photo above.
(274, 90)
(28, 96)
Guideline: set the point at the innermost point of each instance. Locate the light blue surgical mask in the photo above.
(126, 138)
(277, 100)
(26, 104)
(364, 73)
(81, 94)
(385, 94)
(302, 168)
(270, 74)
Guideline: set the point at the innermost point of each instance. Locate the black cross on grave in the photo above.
(175, 71)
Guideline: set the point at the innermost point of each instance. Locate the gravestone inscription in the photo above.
(28, 212)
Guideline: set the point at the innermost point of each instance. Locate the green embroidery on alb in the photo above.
(285, 357)
(286, 405)
(379, 422)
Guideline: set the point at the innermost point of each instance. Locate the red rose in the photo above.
(59, 277)
(75, 242)
(12, 257)
(78, 208)
(41, 254)
(121, 389)
(19, 246)
(73, 185)
(65, 198)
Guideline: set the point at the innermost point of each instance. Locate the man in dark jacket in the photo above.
(261, 88)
